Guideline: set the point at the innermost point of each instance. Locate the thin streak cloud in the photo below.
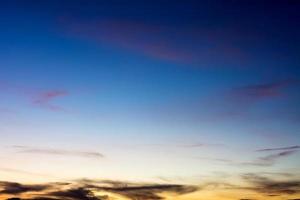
(279, 148)
(58, 152)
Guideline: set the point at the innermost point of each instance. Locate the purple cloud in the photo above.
(296, 147)
(264, 91)
(45, 98)
(187, 46)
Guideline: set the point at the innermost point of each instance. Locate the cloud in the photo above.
(38, 97)
(188, 45)
(280, 148)
(91, 190)
(199, 145)
(240, 102)
(59, 152)
(264, 91)
(269, 186)
(270, 159)
(247, 199)
(44, 99)
(16, 188)
(262, 161)
(75, 193)
(149, 191)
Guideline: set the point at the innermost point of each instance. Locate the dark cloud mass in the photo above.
(272, 187)
(86, 189)
(16, 188)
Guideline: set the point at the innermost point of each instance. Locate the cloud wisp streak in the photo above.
(58, 152)
(187, 46)
(269, 90)
(38, 97)
(240, 100)
(270, 159)
(44, 99)
(296, 147)
(262, 161)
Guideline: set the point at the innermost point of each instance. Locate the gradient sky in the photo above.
(199, 99)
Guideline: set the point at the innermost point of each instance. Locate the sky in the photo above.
(149, 100)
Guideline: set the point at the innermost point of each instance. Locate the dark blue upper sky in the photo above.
(150, 72)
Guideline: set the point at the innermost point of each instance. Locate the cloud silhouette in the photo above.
(268, 186)
(16, 188)
(59, 152)
(87, 190)
(75, 194)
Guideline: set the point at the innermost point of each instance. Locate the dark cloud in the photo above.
(85, 190)
(247, 199)
(16, 188)
(50, 151)
(272, 187)
(280, 148)
(75, 194)
(143, 191)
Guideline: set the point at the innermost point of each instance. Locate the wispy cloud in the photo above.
(270, 159)
(264, 91)
(44, 99)
(262, 161)
(279, 148)
(189, 46)
(241, 101)
(38, 97)
(58, 152)
(199, 145)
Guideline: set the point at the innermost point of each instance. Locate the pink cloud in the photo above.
(264, 91)
(158, 42)
(42, 98)
(45, 98)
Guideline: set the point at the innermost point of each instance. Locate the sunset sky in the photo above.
(149, 100)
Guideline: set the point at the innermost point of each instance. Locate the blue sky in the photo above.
(142, 81)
